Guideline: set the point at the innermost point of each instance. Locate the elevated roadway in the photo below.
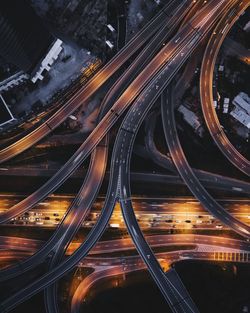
(179, 301)
(134, 69)
(131, 264)
(96, 136)
(206, 82)
(124, 244)
(88, 90)
(188, 174)
(210, 180)
(36, 286)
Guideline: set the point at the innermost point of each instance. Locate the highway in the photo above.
(16, 207)
(141, 60)
(209, 180)
(13, 256)
(73, 218)
(126, 136)
(96, 136)
(19, 244)
(79, 210)
(215, 242)
(178, 301)
(118, 245)
(131, 264)
(151, 68)
(215, 249)
(144, 90)
(27, 264)
(153, 212)
(206, 82)
(103, 248)
(176, 14)
(210, 248)
(186, 172)
(134, 69)
(85, 92)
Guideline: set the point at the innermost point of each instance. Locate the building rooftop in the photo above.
(242, 100)
(241, 116)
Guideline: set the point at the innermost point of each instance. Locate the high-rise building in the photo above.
(25, 41)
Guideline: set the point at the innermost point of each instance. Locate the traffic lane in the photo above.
(132, 224)
(19, 295)
(187, 173)
(77, 211)
(99, 132)
(209, 179)
(43, 130)
(130, 264)
(206, 80)
(80, 209)
(123, 244)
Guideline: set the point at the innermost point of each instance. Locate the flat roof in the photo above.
(5, 114)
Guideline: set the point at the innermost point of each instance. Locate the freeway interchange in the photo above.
(150, 76)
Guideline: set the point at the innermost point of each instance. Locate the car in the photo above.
(39, 223)
(169, 221)
(219, 226)
(56, 214)
(187, 221)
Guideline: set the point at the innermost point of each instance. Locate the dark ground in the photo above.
(214, 288)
